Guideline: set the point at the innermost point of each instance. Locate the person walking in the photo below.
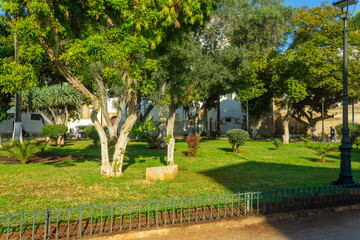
(332, 134)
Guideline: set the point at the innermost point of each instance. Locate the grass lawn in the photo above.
(215, 170)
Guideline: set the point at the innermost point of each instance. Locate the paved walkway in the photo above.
(332, 225)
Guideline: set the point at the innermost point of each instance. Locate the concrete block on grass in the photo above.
(161, 173)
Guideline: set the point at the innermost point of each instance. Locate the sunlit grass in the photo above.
(215, 170)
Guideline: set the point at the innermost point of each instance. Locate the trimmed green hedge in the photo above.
(53, 131)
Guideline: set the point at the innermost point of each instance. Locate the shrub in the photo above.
(357, 142)
(54, 131)
(277, 142)
(147, 130)
(91, 133)
(354, 131)
(23, 151)
(237, 138)
(306, 140)
(323, 150)
(193, 143)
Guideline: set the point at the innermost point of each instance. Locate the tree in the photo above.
(107, 35)
(315, 61)
(59, 101)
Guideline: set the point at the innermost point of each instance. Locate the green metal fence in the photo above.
(85, 221)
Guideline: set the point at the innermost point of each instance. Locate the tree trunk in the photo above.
(105, 169)
(77, 84)
(43, 115)
(313, 131)
(162, 111)
(120, 147)
(113, 127)
(170, 134)
(0, 142)
(286, 135)
(218, 120)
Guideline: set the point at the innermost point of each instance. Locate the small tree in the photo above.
(306, 140)
(91, 133)
(237, 138)
(277, 142)
(193, 142)
(148, 130)
(323, 150)
(55, 132)
(23, 151)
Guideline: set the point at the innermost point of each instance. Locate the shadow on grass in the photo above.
(240, 176)
(226, 149)
(135, 154)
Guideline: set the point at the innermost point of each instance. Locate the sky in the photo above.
(311, 3)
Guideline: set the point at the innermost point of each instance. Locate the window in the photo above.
(177, 117)
(228, 120)
(35, 117)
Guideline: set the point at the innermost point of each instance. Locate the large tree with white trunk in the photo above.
(108, 34)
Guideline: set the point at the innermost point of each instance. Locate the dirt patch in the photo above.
(44, 158)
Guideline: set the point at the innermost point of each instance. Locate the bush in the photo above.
(357, 142)
(54, 131)
(323, 150)
(354, 131)
(277, 142)
(306, 140)
(193, 143)
(91, 133)
(237, 138)
(147, 130)
(23, 151)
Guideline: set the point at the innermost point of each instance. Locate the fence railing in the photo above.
(85, 221)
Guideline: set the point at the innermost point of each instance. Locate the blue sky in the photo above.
(311, 3)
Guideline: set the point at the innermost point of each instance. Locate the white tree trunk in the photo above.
(286, 135)
(105, 169)
(313, 131)
(162, 111)
(0, 142)
(170, 134)
(120, 147)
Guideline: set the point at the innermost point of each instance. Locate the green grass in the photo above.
(215, 170)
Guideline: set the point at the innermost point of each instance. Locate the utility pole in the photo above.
(247, 116)
(17, 133)
(323, 118)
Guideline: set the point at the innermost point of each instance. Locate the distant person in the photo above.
(332, 134)
(77, 134)
(24, 133)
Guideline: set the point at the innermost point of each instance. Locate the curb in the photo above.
(235, 222)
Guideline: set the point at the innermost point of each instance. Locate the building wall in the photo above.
(32, 122)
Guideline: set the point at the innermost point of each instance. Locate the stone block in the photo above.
(161, 173)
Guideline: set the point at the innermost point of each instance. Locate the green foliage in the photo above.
(323, 150)
(53, 131)
(354, 131)
(148, 130)
(306, 140)
(237, 138)
(91, 133)
(277, 143)
(167, 138)
(61, 99)
(357, 142)
(23, 151)
(193, 143)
